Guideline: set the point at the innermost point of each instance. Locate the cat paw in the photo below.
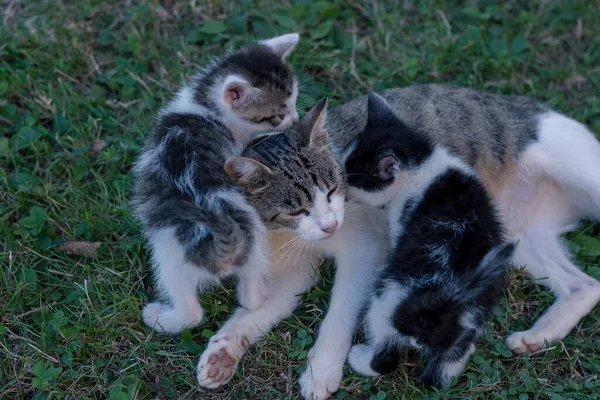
(359, 358)
(220, 359)
(322, 377)
(526, 341)
(165, 319)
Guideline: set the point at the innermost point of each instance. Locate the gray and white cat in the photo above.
(542, 170)
(294, 182)
(198, 224)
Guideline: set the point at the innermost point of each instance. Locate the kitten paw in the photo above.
(165, 319)
(526, 341)
(359, 358)
(220, 359)
(322, 377)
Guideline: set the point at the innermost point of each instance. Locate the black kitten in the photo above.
(447, 267)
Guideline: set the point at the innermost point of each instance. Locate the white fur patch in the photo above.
(322, 215)
(184, 103)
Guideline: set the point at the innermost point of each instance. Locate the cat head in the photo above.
(255, 86)
(449, 309)
(292, 179)
(380, 153)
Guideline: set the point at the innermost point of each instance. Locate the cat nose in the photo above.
(295, 116)
(330, 228)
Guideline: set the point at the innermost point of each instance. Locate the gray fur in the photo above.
(295, 167)
(486, 130)
(190, 209)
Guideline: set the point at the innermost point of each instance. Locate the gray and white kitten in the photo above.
(199, 226)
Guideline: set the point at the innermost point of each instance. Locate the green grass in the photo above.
(75, 75)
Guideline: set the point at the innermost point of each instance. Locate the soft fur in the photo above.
(199, 226)
(295, 184)
(444, 273)
(548, 181)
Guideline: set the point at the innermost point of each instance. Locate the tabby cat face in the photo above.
(293, 180)
(259, 87)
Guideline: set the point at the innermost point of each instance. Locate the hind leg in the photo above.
(443, 367)
(178, 282)
(545, 258)
(381, 353)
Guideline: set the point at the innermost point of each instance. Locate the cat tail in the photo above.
(228, 236)
(490, 274)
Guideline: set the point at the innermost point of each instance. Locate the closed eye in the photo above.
(302, 211)
(267, 119)
(331, 192)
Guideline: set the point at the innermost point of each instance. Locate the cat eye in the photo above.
(331, 192)
(273, 120)
(296, 213)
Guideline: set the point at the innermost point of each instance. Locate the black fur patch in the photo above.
(384, 135)
(447, 261)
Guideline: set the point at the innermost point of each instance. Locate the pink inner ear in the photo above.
(387, 167)
(232, 93)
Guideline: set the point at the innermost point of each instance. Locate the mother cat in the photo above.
(542, 168)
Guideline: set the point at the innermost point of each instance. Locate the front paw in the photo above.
(220, 359)
(322, 377)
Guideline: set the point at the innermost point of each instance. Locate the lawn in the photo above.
(80, 83)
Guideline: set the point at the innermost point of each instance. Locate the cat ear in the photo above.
(388, 167)
(378, 110)
(313, 126)
(282, 45)
(237, 91)
(244, 170)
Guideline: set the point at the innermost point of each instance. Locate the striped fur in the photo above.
(199, 226)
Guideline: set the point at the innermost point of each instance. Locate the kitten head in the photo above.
(256, 87)
(293, 180)
(380, 153)
(436, 316)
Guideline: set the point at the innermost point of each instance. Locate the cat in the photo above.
(539, 167)
(199, 227)
(542, 171)
(446, 270)
(295, 183)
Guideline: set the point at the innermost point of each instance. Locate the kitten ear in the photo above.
(237, 91)
(378, 110)
(388, 167)
(282, 45)
(244, 170)
(313, 126)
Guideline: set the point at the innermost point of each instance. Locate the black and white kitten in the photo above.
(199, 225)
(447, 265)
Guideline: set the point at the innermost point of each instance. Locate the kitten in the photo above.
(199, 226)
(295, 184)
(447, 265)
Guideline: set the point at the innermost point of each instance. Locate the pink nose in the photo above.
(330, 228)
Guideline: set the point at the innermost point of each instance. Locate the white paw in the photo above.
(360, 357)
(163, 318)
(526, 341)
(220, 359)
(322, 377)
